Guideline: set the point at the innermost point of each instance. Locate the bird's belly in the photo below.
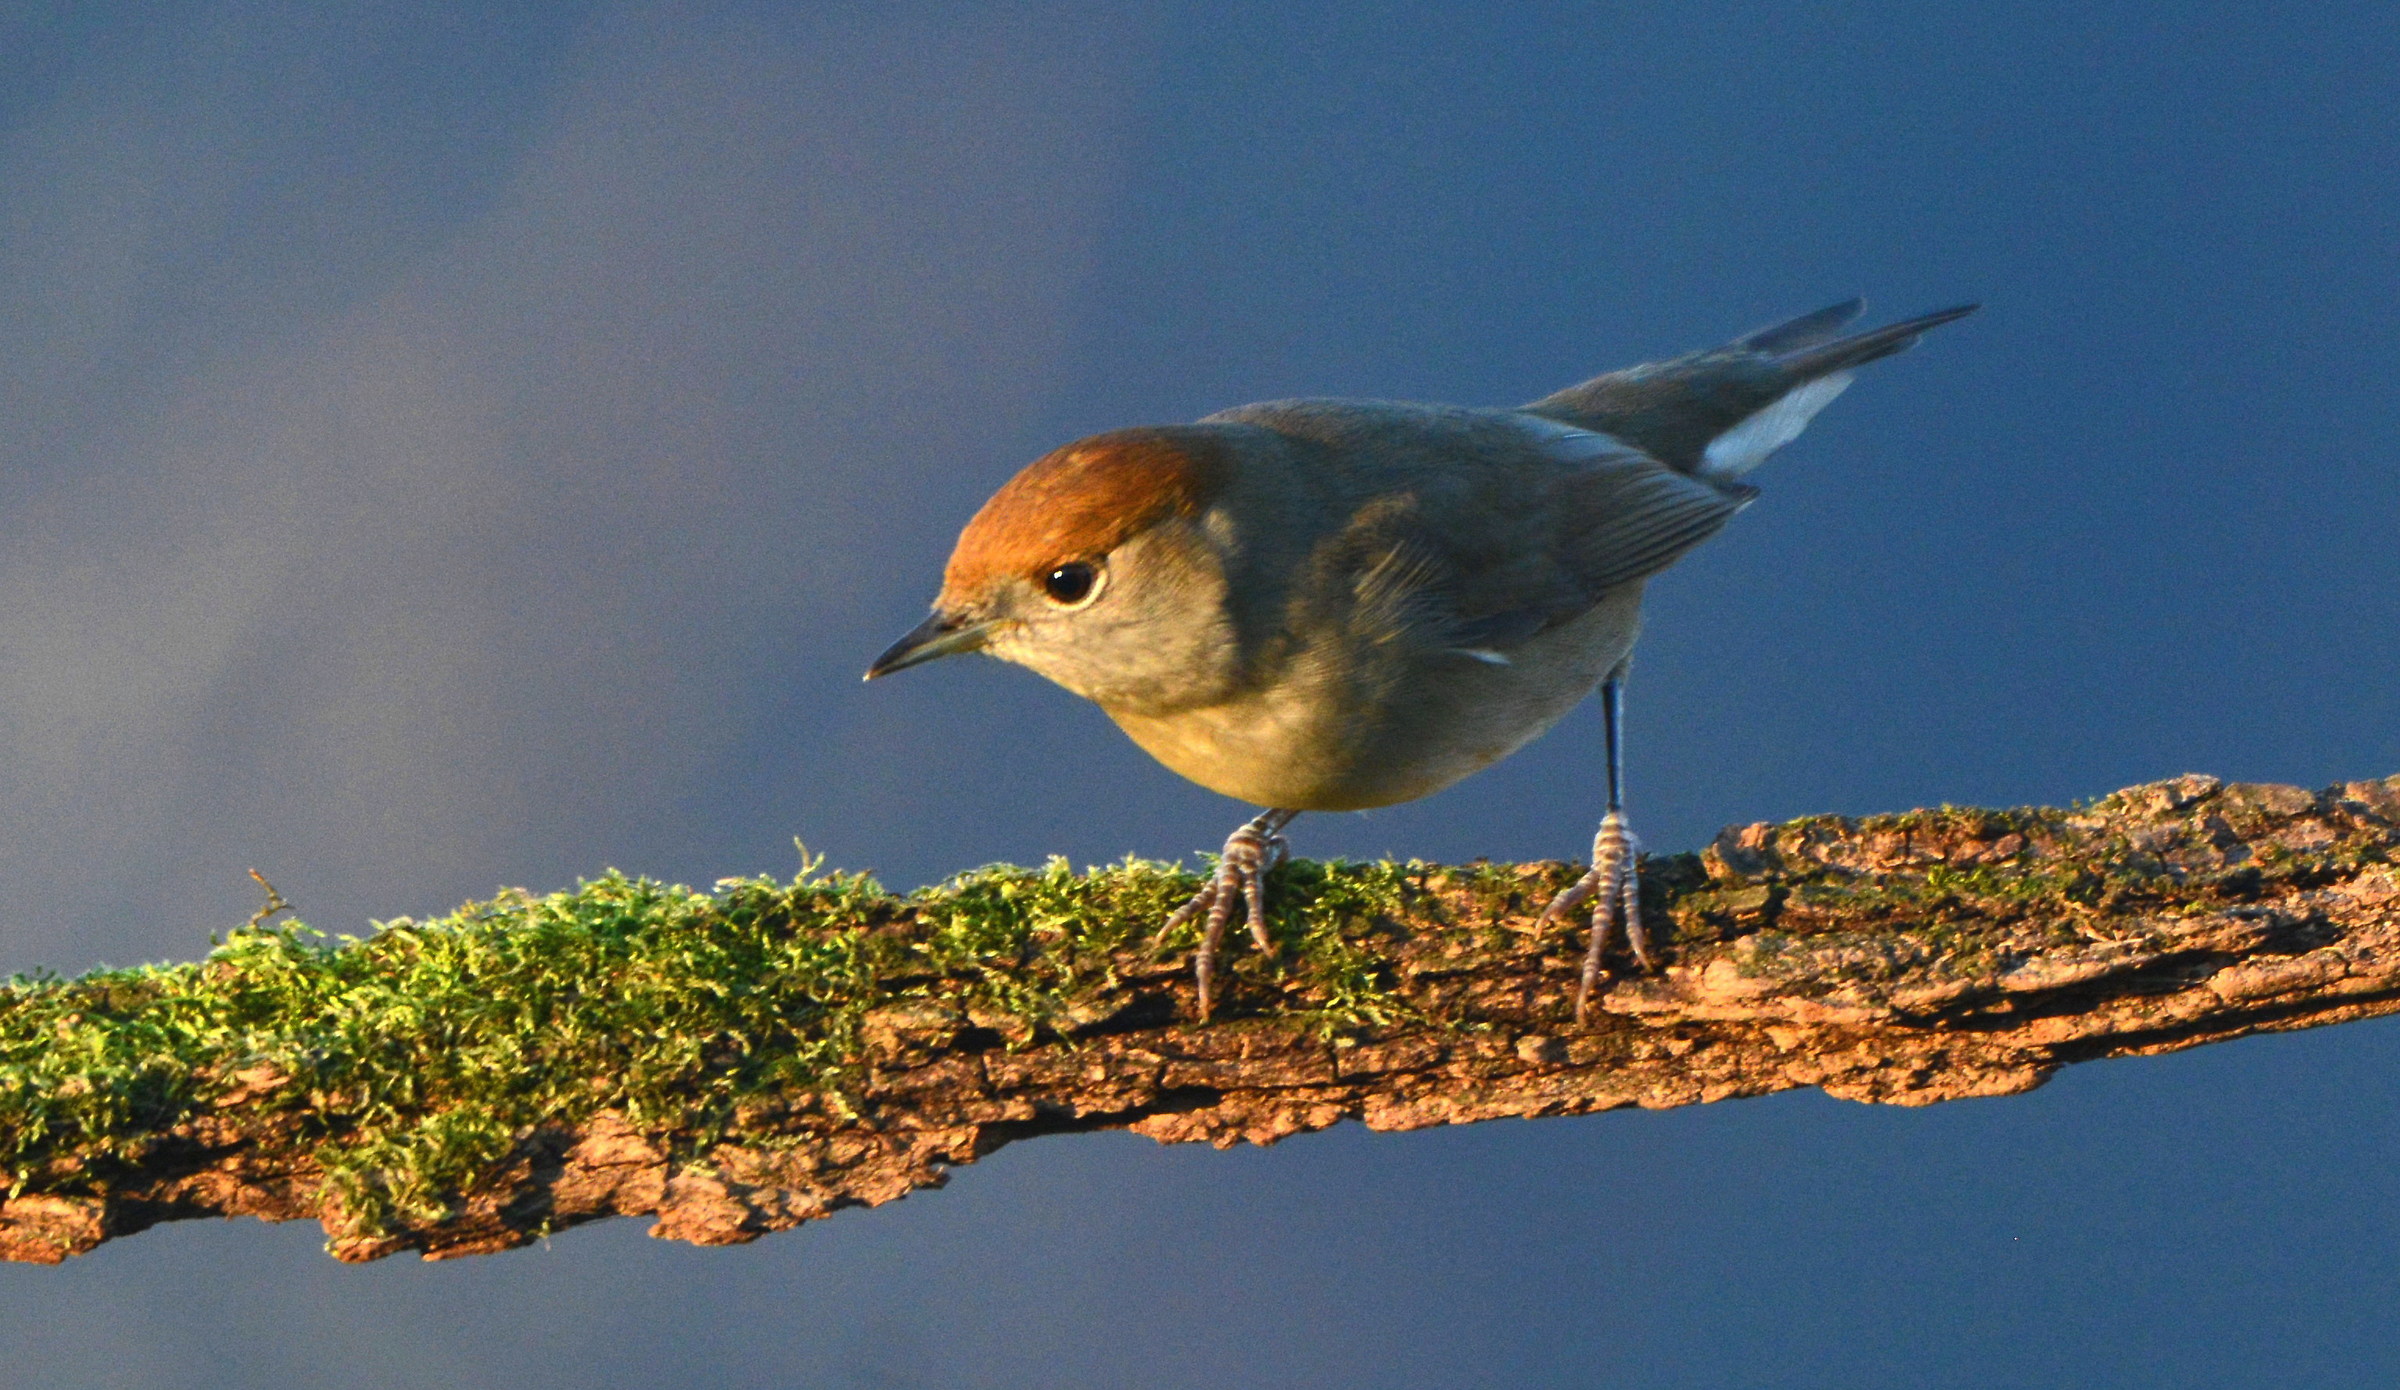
(1348, 746)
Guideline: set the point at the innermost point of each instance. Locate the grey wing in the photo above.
(1579, 515)
(1629, 516)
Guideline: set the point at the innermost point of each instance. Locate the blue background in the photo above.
(460, 445)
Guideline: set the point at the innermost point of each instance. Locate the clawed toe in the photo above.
(1250, 855)
(1614, 888)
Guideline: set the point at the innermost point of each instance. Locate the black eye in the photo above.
(1071, 583)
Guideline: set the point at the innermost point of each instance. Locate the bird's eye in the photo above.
(1072, 584)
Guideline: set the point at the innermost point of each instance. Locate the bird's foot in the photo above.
(1614, 887)
(1251, 853)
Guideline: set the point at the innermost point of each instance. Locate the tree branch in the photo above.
(738, 1062)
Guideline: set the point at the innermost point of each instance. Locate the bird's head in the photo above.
(1099, 566)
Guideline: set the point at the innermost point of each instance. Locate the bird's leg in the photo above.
(1251, 853)
(1615, 882)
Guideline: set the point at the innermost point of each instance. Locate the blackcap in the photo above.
(1329, 605)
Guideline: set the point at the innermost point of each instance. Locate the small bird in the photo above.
(1331, 605)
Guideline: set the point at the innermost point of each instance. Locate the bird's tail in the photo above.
(1720, 413)
(1806, 360)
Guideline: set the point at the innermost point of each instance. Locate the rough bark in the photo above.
(1900, 959)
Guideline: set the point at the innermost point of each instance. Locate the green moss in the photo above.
(411, 1063)
(416, 1059)
(1350, 985)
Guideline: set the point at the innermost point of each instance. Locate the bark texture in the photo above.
(1897, 959)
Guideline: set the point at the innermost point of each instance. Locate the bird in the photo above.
(1337, 604)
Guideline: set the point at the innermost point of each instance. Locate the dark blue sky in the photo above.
(463, 445)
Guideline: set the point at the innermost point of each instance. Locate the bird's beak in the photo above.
(937, 636)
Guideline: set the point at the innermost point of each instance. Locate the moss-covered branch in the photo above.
(740, 1061)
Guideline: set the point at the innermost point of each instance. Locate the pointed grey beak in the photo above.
(937, 636)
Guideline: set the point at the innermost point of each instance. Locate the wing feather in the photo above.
(1467, 532)
(1580, 514)
(1621, 523)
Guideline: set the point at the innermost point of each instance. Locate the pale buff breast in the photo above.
(1401, 726)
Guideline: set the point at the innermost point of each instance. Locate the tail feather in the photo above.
(1861, 348)
(1719, 413)
(1806, 331)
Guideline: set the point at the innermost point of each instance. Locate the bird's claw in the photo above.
(1250, 854)
(1615, 882)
